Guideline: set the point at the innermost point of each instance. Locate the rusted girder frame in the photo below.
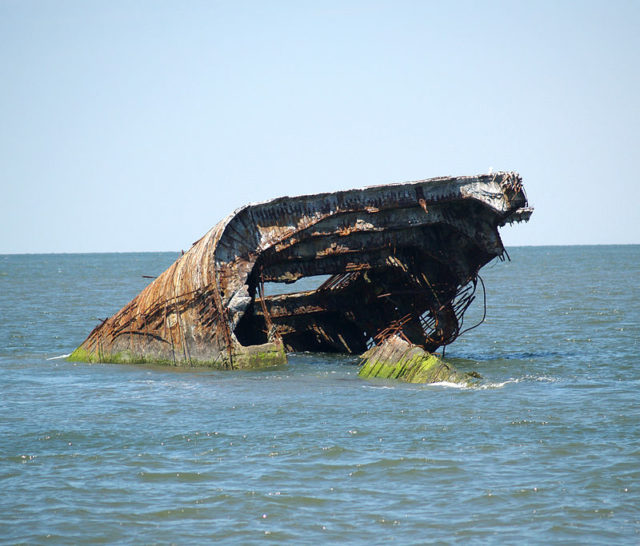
(365, 305)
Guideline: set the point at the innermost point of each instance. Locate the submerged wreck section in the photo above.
(401, 259)
(396, 358)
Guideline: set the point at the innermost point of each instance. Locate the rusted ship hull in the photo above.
(402, 259)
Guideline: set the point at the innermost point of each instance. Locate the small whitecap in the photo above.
(450, 385)
(497, 385)
(59, 357)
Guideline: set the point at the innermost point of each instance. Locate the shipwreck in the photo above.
(402, 260)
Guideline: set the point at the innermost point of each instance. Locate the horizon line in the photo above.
(178, 251)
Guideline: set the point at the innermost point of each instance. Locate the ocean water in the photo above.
(545, 449)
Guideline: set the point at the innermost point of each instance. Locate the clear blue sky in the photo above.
(130, 125)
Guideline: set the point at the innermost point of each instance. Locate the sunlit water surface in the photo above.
(545, 449)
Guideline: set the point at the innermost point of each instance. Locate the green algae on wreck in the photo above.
(396, 358)
(256, 357)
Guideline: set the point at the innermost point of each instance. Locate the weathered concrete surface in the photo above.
(402, 258)
(396, 358)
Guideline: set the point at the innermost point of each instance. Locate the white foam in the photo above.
(450, 385)
(546, 379)
(498, 385)
(59, 357)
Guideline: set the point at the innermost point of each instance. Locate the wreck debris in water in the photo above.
(396, 358)
(403, 260)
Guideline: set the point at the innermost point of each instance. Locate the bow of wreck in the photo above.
(402, 259)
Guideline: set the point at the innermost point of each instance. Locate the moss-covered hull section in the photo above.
(253, 357)
(395, 358)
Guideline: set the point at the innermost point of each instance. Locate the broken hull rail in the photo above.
(402, 259)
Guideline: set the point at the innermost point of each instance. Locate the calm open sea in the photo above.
(546, 449)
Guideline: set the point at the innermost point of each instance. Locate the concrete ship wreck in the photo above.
(403, 261)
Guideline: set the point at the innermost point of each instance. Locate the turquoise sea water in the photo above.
(545, 449)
